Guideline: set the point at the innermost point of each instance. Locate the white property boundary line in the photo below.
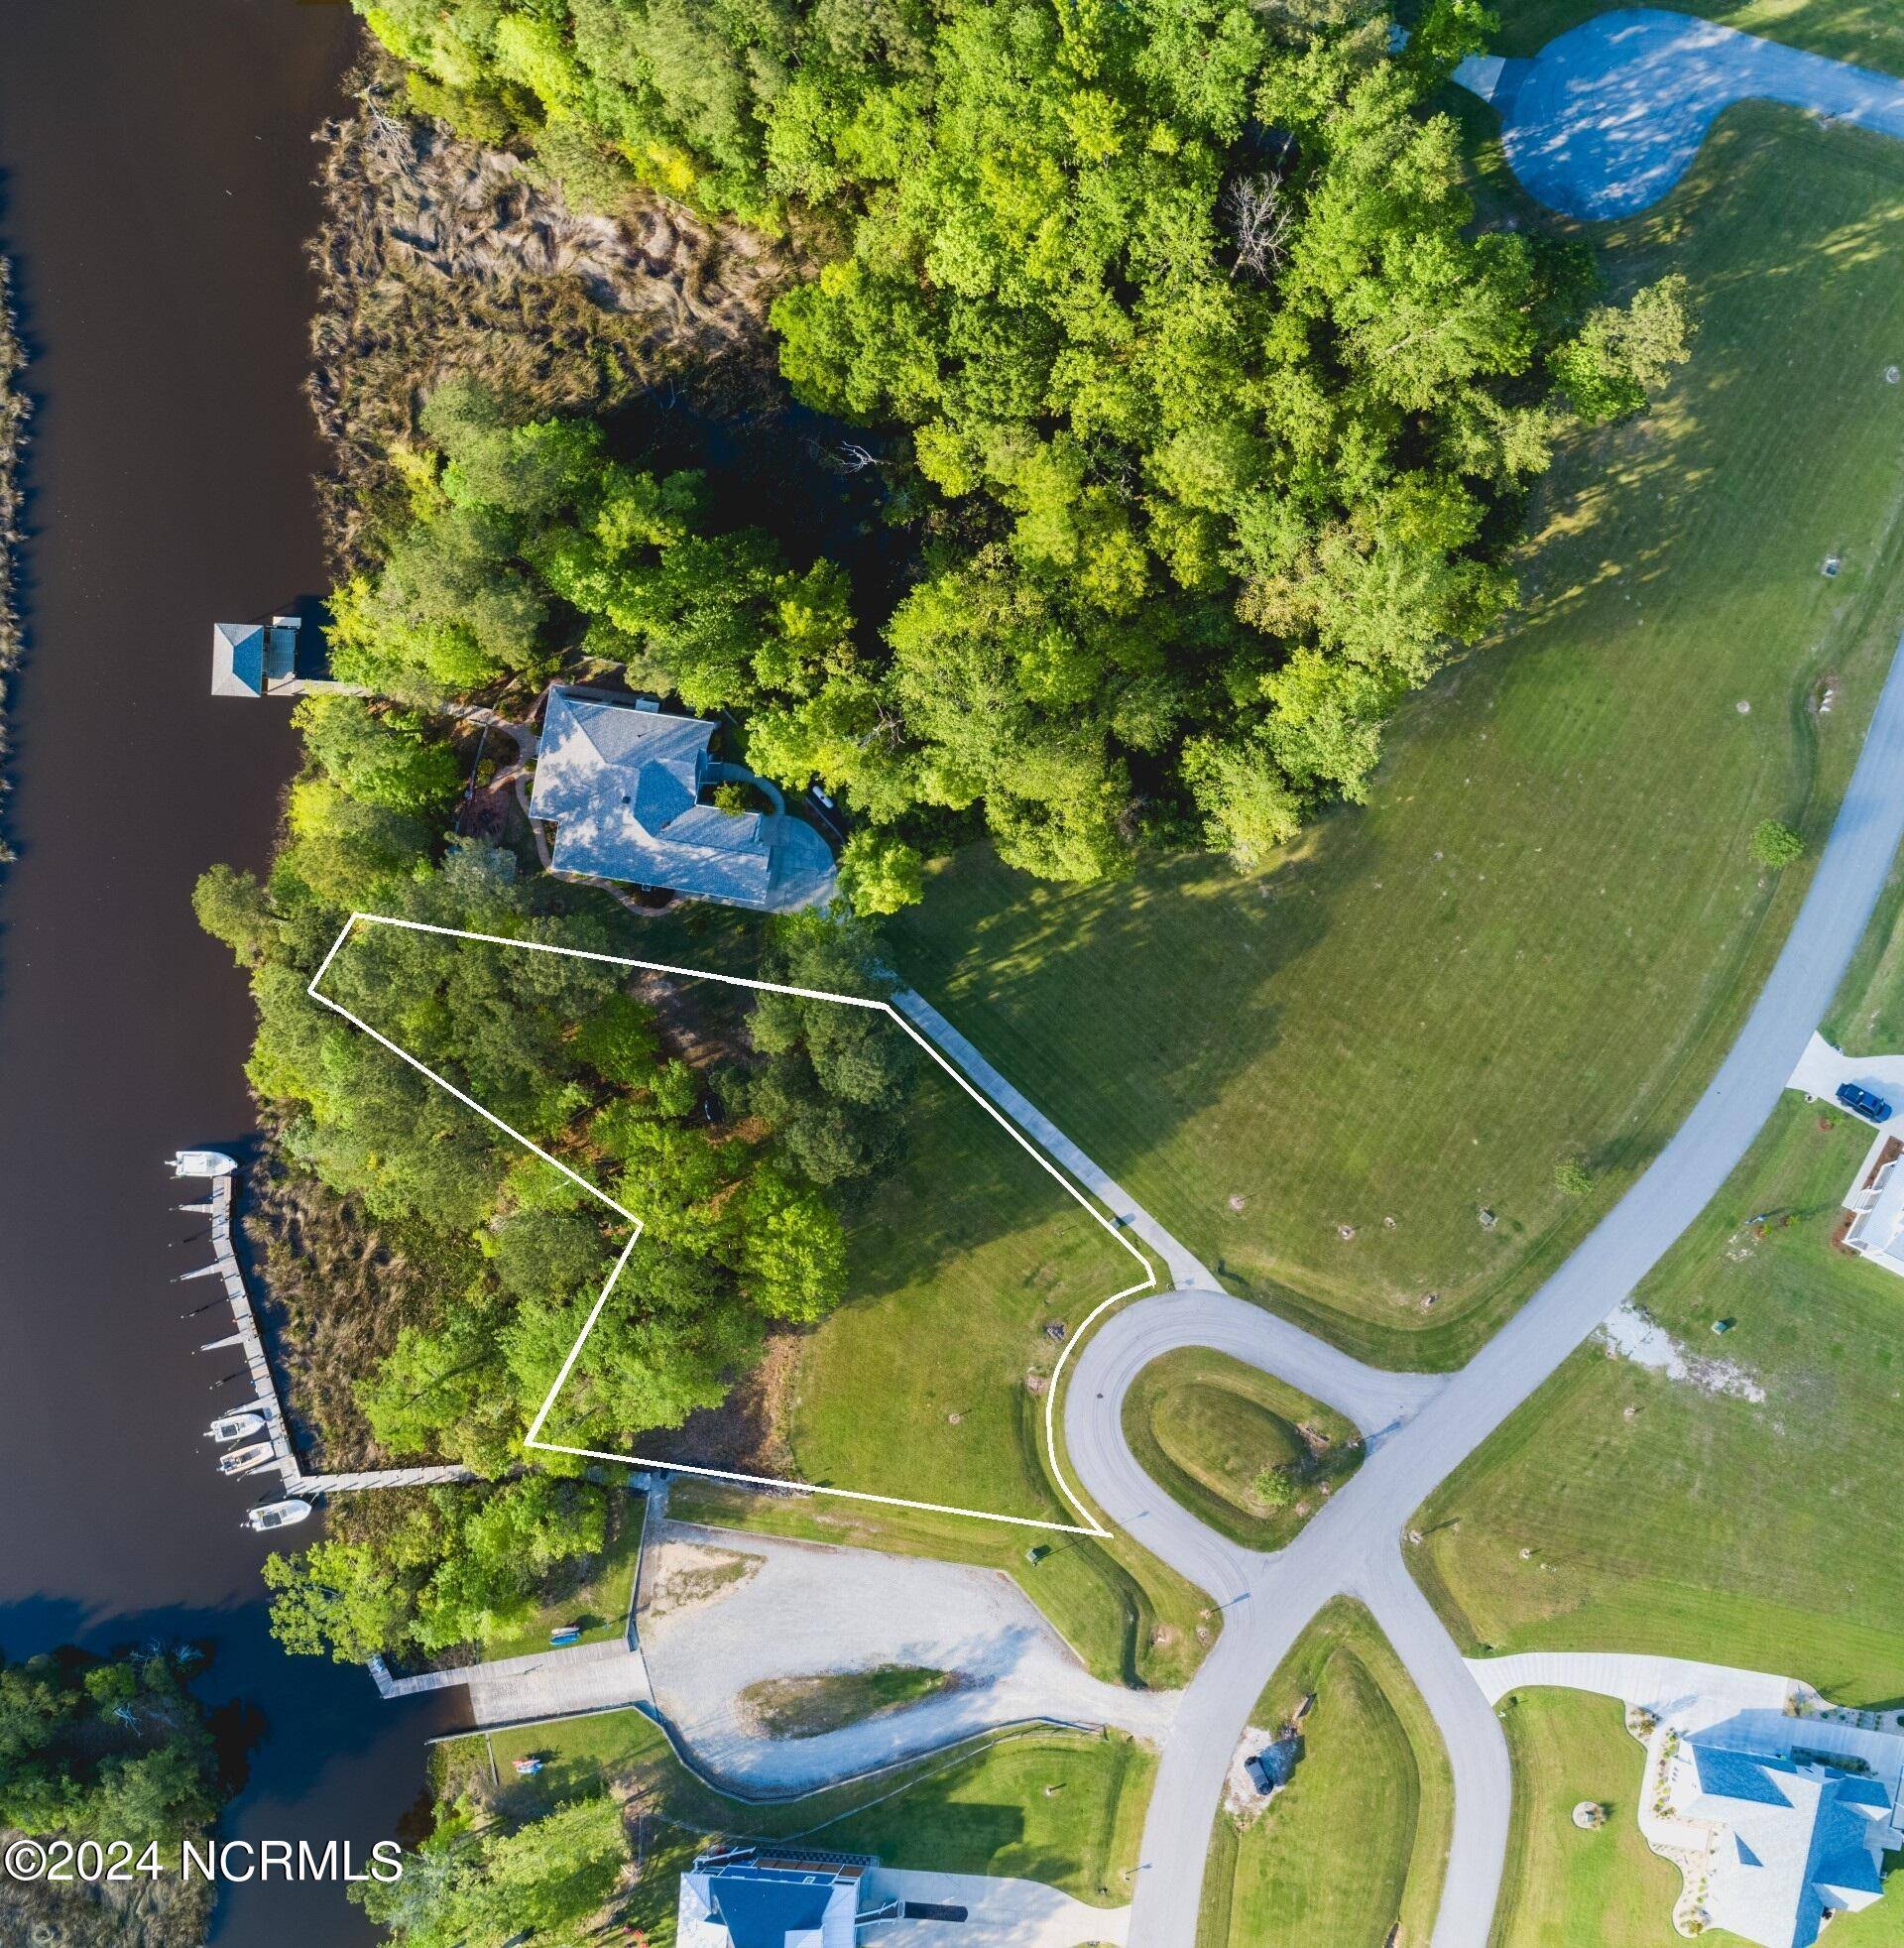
(1089, 1526)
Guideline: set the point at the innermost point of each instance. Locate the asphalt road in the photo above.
(1607, 117)
(1422, 1428)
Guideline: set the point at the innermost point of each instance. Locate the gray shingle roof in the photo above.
(622, 786)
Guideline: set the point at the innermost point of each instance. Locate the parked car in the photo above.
(1861, 1102)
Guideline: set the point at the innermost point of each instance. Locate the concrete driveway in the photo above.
(807, 1607)
(998, 1914)
(1822, 1068)
(1607, 117)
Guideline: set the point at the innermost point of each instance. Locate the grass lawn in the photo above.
(1664, 1518)
(598, 1600)
(805, 1707)
(1130, 1619)
(1245, 1453)
(1373, 1766)
(1565, 1888)
(1536, 938)
(930, 1381)
(1065, 1807)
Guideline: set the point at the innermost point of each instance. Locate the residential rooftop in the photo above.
(622, 782)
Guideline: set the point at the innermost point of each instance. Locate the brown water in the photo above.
(154, 166)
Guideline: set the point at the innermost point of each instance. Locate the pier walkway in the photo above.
(265, 1400)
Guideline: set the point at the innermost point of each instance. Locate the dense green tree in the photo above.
(1221, 401)
(880, 873)
(378, 758)
(105, 1748)
(534, 1885)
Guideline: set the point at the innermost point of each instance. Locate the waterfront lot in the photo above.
(1063, 1808)
(1534, 940)
(1373, 1766)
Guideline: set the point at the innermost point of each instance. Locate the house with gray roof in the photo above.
(748, 1897)
(1793, 1842)
(622, 783)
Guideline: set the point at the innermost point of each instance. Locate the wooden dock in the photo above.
(264, 1386)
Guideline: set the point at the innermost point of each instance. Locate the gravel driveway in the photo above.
(797, 1608)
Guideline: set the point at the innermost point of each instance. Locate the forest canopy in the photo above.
(1208, 401)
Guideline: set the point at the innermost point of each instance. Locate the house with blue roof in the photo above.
(744, 1896)
(622, 782)
(1793, 1841)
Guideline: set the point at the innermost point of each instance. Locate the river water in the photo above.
(154, 194)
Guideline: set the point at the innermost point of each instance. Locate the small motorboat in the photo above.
(204, 1163)
(235, 1428)
(240, 1459)
(276, 1514)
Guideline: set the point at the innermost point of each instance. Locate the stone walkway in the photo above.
(543, 1685)
(1607, 118)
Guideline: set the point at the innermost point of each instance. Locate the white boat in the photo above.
(239, 1459)
(204, 1163)
(235, 1428)
(276, 1514)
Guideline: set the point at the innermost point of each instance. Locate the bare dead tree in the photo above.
(1262, 219)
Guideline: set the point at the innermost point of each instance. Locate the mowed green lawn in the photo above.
(1661, 1517)
(1537, 939)
(1063, 1808)
(930, 1381)
(1565, 1888)
(1356, 1845)
(1228, 1441)
(1568, 1889)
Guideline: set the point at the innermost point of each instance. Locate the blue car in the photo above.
(1861, 1102)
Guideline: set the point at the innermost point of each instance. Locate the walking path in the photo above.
(1424, 1427)
(1184, 1268)
(1607, 117)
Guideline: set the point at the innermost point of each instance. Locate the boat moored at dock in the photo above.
(276, 1515)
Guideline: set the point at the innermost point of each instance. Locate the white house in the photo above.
(1793, 1842)
(1876, 1204)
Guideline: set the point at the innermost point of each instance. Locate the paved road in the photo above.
(1354, 1544)
(1608, 116)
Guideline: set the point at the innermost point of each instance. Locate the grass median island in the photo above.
(1373, 1766)
(1243, 1452)
(1130, 1619)
(1621, 1510)
(1567, 1887)
(1063, 1808)
(806, 1707)
(1412, 1018)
